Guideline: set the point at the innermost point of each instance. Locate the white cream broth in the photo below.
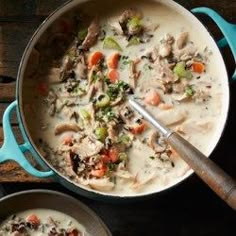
(47, 218)
(197, 117)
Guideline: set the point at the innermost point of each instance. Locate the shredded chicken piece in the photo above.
(165, 50)
(182, 40)
(64, 127)
(92, 36)
(195, 126)
(140, 182)
(89, 146)
(112, 131)
(173, 116)
(165, 106)
(81, 68)
(103, 184)
(134, 74)
(124, 174)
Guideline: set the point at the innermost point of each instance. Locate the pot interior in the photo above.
(52, 41)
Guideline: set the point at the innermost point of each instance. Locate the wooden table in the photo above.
(189, 209)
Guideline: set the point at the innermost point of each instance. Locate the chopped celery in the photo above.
(189, 91)
(101, 133)
(102, 101)
(181, 71)
(125, 139)
(134, 24)
(123, 156)
(82, 34)
(84, 114)
(133, 41)
(110, 43)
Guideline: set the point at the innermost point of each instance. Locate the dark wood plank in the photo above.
(3, 106)
(45, 7)
(22, 7)
(7, 92)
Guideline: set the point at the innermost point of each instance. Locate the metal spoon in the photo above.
(220, 182)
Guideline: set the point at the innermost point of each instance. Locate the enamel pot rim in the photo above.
(66, 181)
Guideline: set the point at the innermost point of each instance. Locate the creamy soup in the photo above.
(41, 222)
(79, 116)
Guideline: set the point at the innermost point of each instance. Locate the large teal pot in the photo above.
(11, 150)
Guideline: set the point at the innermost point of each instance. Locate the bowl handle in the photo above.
(11, 150)
(228, 30)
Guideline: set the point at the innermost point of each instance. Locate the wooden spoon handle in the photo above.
(220, 182)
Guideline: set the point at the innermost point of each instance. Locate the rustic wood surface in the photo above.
(190, 209)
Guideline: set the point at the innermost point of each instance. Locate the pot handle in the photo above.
(228, 30)
(11, 150)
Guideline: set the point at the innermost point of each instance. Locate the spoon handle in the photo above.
(219, 181)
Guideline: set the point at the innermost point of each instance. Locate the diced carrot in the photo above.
(113, 75)
(42, 89)
(113, 154)
(198, 67)
(152, 98)
(105, 158)
(113, 60)
(138, 129)
(98, 173)
(95, 58)
(33, 219)
(67, 139)
(74, 232)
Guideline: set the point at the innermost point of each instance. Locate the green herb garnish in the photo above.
(106, 114)
(147, 67)
(189, 91)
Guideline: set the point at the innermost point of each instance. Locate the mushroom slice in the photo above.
(101, 184)
(88, 147)
(92, 36)
(152, 142)
(64, 127)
